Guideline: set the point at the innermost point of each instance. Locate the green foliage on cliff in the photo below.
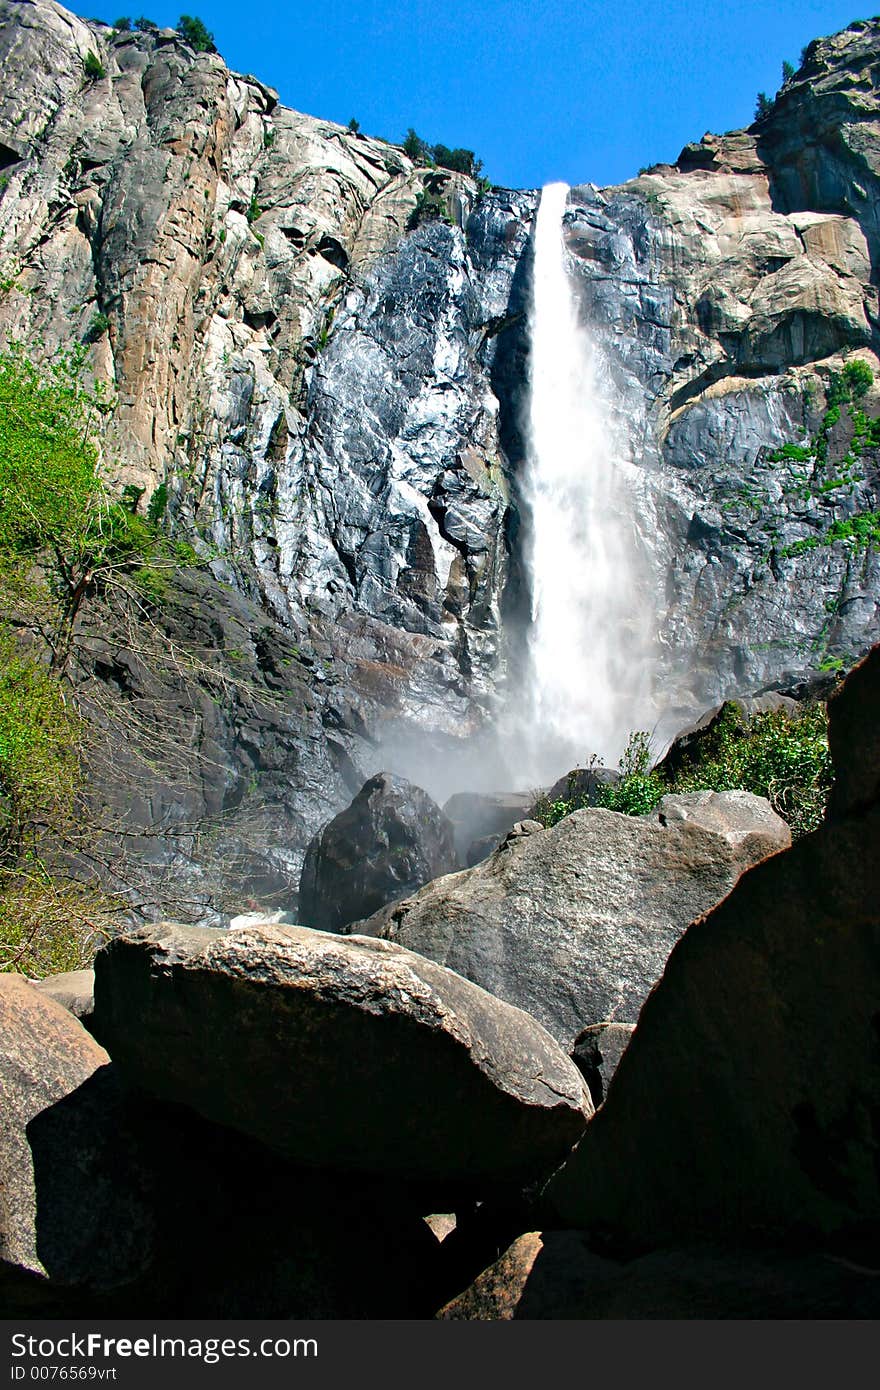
(92, 66)
(63, 536)
(196, 34)
(39, 767)
(48, 921)
(770, 754)
(458, 161)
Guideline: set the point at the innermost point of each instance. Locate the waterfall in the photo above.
(590, 639)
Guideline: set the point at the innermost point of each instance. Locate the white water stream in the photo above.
(590, 642)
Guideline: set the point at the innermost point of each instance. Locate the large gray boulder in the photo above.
(74, 990)
(388, 842)
(747, 1101)
(574, 924)
(480, 819)
(340, 1053)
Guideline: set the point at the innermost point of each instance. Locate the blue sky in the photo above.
(540, 89)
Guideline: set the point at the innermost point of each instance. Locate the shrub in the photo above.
(145, 26)
(123, 25)
(770, 754)
(786, 760)
(858, 377)
(788, 72)
(763, 106)
(253, 210)
(98, 326)
(92, 66)
(39, 768)
(195, 33)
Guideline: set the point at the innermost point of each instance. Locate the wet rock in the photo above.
(388, 842)
(480, 816)
(754, 1067)
(581, 786)
(220, 1021)
(574, 923)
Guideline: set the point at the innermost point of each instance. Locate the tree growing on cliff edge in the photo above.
(196, 34)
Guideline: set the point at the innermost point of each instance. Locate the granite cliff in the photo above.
(329, 388)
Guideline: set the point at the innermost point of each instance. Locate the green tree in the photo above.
(196, 34)
(788, 72)
(123, 25)
(417, 149)
(763, 106)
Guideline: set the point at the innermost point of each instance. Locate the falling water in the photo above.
(590, 636)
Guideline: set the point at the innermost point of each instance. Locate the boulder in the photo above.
(73, 990)
(70, 1200)
(581, 786)
(388, 842)
(483, 817)
(113, 1204)
(747, 822)
(755, 1069)
(554, 1274)
(341, 1053)
(597, 1051)
(574, 924)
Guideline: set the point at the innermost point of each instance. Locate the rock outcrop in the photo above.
(574, 924)
(386, 844)
(754, 1065)
(401, 1068)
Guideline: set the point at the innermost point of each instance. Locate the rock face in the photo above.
(387, 843)
(333, 398)
(574, 924)
(401, 1067)
(754, 1066)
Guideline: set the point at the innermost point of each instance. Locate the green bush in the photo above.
(784, 759)
(123, 25)
(763, 106)
(92, 65)
(770, 754)
(39, 766)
